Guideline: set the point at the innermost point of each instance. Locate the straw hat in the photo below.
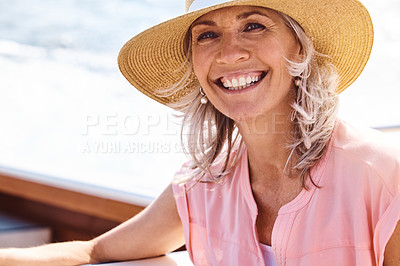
(341, 29)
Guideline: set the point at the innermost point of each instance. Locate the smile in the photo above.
(241, 82)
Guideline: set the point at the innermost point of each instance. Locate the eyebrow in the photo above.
(239, 17)
(248, 14)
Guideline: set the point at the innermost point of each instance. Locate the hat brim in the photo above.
(340, 29)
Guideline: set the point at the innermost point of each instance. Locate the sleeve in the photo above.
(180, 194)
(391, 215)
(385, 228)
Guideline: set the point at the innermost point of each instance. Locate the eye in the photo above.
(207, 35)
(254, 26)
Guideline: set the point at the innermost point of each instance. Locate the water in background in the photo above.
(67, 112)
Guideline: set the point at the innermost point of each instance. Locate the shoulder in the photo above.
(366, 144)
(363, 149)
(190, 172)
(191, 181)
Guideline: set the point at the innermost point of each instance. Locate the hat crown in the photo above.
(188, 4)
(192, 5)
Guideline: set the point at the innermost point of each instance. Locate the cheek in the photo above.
(199, 66)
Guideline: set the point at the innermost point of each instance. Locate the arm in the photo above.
(392, 250)
(67, 253)
(153, 232)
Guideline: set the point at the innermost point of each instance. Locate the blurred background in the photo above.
(68, 117)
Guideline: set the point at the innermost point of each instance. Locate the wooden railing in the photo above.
(72, 215)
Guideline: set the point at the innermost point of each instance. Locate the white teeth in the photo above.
(235, 83)
(243, 82)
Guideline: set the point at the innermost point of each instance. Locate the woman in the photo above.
(274, 178)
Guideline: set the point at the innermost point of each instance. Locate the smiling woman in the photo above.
(272, 170)
(267, 41)
(235, 68)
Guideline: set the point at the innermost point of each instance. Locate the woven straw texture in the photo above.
(340, 29)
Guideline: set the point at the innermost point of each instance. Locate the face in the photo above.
(238, 55)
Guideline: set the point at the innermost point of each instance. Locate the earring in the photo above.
(297, 82)
(204, 98)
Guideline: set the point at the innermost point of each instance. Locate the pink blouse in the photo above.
(347, 221)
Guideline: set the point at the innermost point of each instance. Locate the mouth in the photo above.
(240, 82)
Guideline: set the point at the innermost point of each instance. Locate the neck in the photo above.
(266, 140)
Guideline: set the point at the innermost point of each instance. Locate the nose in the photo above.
(231, 50)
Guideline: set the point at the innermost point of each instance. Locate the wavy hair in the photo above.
(210, 138)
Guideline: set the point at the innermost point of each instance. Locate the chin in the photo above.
(243, 115)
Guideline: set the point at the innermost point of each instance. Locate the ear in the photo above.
(298, 34)
(299, 55)
(187, 44)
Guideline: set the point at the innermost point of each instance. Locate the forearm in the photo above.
(67, 253)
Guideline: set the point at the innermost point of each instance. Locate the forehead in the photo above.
(238, 12)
